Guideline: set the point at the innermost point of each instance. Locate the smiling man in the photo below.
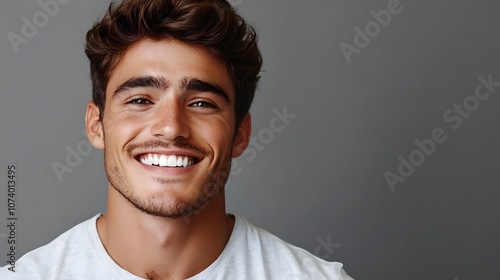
(173, 81)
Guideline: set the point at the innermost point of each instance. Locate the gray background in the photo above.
(322, 177)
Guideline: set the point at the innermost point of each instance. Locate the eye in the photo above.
(140, 101)
(203, 103)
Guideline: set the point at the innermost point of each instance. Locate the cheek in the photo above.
(218, 133)
(121, 128)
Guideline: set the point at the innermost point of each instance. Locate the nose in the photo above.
(170, 121)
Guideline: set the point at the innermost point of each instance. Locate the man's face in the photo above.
(168, 129)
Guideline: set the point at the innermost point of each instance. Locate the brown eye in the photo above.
(140, 101)
(202, 103)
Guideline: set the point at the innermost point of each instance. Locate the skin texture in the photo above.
(167, 97)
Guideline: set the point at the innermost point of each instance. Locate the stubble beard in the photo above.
(167, 205)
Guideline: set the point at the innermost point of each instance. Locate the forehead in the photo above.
(172, 60)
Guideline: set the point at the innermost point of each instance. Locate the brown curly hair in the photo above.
(211, 24)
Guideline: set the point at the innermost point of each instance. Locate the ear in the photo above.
(242, 137)
(93, 124)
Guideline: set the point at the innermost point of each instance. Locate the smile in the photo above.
(167, 160)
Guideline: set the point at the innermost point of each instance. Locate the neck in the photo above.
(143, 244)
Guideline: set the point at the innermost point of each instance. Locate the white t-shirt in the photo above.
(251, 253)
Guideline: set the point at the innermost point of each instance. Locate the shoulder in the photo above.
(48, 261)
(282, 256)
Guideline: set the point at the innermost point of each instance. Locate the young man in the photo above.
(173, 81)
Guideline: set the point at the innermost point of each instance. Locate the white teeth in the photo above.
(172, 161)
(164, 160)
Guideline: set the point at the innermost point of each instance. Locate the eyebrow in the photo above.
(187, 84)
(194, 84)
(142, 82)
